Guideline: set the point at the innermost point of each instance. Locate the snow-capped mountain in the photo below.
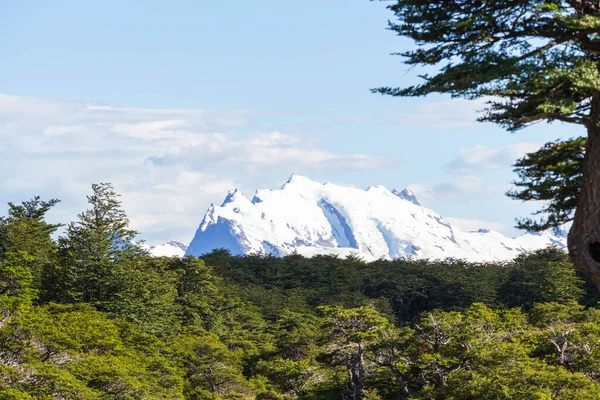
(169, 249)
(313, 218)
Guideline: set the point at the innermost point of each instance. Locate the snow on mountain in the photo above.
(407, 195)
(313, 218)
(169, 249)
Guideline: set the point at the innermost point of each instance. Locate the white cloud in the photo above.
(464, 188)
(489, 158)
(450, 114)
(169, 164)
(263, 151)
(151, 130)
(476, 224)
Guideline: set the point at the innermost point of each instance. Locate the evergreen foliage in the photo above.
(26, 231)
(96, 250)
(533, 61)
(535, 58)
(115, 323)
(551, 174)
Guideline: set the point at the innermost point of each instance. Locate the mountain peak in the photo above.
(299, 181)
(295, 178)
(231, 196)
(408, 195)
(292, 177)
(311, 218)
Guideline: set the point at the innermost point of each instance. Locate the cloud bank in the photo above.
(489, 158)
(468, 167)
(169, 164)
(449, 114)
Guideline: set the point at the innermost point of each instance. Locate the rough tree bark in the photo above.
(357, 374)
(584, 236)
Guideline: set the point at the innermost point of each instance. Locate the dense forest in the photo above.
(85, 313)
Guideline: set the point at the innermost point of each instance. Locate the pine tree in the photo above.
(95, 248)
(26, 251)
(100, 264)
(551, 174)
(537, 60)
(25, 231)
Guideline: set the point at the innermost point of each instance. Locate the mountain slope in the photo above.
(312, 218)
(169, 249)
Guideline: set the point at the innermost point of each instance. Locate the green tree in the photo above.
(551, 174)
(560, 284)
(437, 347)
(391, 354)
(542, 276)
(210, 368)
(15, 284)
(491, 354)
(535, 59)
(25, 231)
(518, 378)
(95, 248)
(76, 352)
(296, 335)
(146, 296)
(26, 251)
(199, 297)
(290, 376)
(349, 334)
(100, 264)
(292, 367)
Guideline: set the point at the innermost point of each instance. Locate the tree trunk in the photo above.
(357, 374)
(400, 379)
(584, 236)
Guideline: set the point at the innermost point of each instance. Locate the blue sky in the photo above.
(175, 102)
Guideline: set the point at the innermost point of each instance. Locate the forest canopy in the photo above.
(91, 315)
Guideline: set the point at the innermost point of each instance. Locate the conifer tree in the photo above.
(15, 285)
(552, 175)
(537, 60)
(100, 264)
(25, 231)
(96, 247)
(26, 251)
